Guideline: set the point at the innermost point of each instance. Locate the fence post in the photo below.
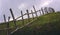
(32, 14)
(4, 18)
(8, 26)
(35, 11)
(5, 22)
(14, 20)
(22, 18)
(42, 11)
(8, 22)
(28, 15)
(46, 11)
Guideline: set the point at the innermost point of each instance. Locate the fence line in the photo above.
(26, 14)
(14, 20)
(20, 17)
(28, 19)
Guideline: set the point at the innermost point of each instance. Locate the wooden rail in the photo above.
(23, 26)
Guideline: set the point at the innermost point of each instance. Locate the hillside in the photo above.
(48, 24)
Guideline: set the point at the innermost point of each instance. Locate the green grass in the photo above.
(12, 26)
(44, 23)
(48, 18)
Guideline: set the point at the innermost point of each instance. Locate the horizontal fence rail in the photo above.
(26, 14)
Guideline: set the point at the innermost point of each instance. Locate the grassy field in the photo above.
(12, 26)
(48, 24)
(45, 23)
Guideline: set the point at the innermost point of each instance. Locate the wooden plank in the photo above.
(13, 17)
(21, 16)
(6, 29)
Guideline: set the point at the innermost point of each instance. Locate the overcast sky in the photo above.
(18, 5)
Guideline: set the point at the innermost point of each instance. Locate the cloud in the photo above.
(22, 6)
(45, 3)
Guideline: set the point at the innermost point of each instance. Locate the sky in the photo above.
(18, 5)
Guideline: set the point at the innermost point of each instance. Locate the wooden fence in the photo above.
(14, 20)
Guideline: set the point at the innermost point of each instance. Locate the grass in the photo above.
(45, 23)
(12, 26)
(48, 24)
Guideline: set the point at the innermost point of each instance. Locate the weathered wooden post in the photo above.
(28, 15)
(14, 20)
(42, 11)
(8, 26)
(35, 11)
(22, 18)
(5, 22)
(51, 10)
(8, 22)
(46, 10)
(32, 14)
(4, 18)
